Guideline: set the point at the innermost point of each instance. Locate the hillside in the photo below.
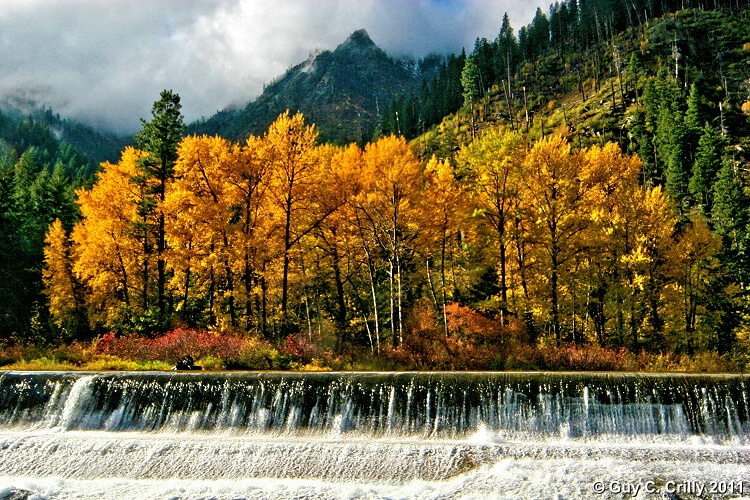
(340, 91)
(22, 127)
(603, 92)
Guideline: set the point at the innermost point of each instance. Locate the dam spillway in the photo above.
(328, 431)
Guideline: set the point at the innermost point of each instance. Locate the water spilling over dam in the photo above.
(369, 435)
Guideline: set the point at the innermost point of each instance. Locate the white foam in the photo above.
(515, 479)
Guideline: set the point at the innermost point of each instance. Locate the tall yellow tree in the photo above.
(295, 188)
(388, 205)
(61, 286)
(493, 166)
(200, 207)
(336, 236)
(442, 219)
(110, 259)
(692, 261)
(634, 227)
(556, 189)
(248, 182)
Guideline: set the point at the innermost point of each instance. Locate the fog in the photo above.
(105, 61)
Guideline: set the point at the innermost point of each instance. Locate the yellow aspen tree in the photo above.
(60, 284)
(492, 164)
(614, 208)
(289, 151)
(336, 236)
(109, 257)
(442, 215)
(635, 225)
(556, 185)
(692, 261)
(388, 204)
(295, 189)
(201, 207)
(248, 181)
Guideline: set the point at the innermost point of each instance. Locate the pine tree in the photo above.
(707, 163)
(507, 46)
(694, 118)
(640, 143)
(730, 217)
(470, 85)
(669, 140)
(634, 74)
(159, 139)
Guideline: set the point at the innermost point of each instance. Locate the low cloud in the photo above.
(105, 61)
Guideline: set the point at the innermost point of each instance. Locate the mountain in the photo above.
(341, 91)
(29, 125)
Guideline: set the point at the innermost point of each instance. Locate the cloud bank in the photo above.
(105, 61)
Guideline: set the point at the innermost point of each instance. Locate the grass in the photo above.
(98, 364)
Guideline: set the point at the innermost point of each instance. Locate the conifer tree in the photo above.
(730, 217)
(694, 118)
(669, 140)
(159, 139)
(470, 85)
(707, 163)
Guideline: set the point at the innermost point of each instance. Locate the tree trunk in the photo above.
(263, 302)
(400, 315)
(287, 260)
(161, 267)
(503, 271)
(340, 298)
(442, 283)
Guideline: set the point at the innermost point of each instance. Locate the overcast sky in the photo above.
(105, 61)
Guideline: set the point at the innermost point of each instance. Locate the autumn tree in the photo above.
(62, 287)
(200, 209)
(632, 231)
(556, 185)
(493, 167)
(692, 263)
(109, 257)
(442, 216)
(295, 188)
(387, 205)
(249, 183)
(336, 236)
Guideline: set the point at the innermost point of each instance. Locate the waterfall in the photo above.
(436, 405)
(387, 428)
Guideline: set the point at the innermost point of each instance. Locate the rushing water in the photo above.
(373, 435)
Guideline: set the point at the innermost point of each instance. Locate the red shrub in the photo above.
(181, 342)
(570, 358)
(470, 325)
(130, 347)
(172, 346)
(300, 348)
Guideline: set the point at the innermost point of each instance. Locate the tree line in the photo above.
(281, 235)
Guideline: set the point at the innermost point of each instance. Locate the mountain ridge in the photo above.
(341, 91)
